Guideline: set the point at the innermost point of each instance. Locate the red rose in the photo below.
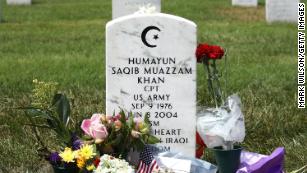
(216, 52)
(96, 162)
(200, 146)
(202, 51)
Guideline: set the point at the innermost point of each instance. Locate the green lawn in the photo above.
(64, 41)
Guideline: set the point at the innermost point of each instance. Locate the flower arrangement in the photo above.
(117, 135)
(104, 135)
(208, 55)
(226, 109)
(83, 159)
(222, 126)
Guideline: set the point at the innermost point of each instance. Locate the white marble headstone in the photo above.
(126, 7)
(246, 3)
(151, 67)
(18, 2)
(281, 10)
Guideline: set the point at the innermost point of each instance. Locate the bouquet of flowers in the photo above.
(118, 134)
(115, 135)
(83, 159)
(222, 126)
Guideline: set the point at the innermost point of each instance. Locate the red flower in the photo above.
(202, 51)
(207, 51)
(216, 52)
(96, 162)
(200, 146)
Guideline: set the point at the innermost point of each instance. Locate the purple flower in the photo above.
(54, 158)
(76, 144)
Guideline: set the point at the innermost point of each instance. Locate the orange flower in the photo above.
(80, 162)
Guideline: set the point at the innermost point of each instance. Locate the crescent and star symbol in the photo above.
(144, 34)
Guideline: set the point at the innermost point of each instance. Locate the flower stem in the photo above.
(218, 91)
(226, 76)
(210, 80)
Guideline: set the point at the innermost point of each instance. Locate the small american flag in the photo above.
(147, 162)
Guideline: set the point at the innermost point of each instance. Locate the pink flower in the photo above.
(94, 128)
(111, 119)
(138, 122)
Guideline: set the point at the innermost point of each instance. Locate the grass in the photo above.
(63, 41)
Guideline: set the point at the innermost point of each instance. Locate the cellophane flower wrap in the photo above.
(223, 125)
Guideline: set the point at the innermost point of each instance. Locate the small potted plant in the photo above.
(222, 126)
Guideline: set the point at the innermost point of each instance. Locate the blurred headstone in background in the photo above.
(126, 7)
(18, 2)
(281, 10)
(245, 3)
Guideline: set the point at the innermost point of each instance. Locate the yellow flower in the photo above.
(76, 153)
(80, 162)
(90, 167)
(87, 151)
(67, 155)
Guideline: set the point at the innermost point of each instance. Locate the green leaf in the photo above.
(131, 124)
(152, 140)
(122, 116)
(117, 140)
(52, 124)
(35, 112)
(61, 103)
(139, 144)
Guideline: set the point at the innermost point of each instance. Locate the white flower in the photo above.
(147, 9)
(109, 164)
